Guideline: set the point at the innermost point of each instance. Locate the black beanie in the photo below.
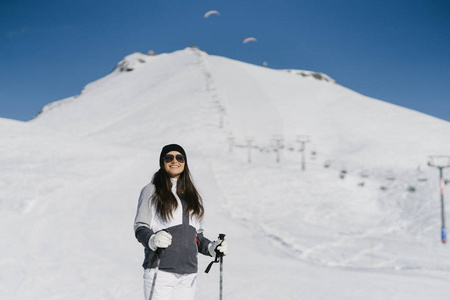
(172, 147)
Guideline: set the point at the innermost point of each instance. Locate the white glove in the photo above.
(220, 245)
(161, 239)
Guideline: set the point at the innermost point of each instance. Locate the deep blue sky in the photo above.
(396, 51)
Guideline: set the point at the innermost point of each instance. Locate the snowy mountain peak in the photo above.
(246, 101)
(316, 75)
(130, 62)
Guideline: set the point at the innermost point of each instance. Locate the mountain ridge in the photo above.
(310, 103)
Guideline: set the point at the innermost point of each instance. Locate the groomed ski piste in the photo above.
(362, 221)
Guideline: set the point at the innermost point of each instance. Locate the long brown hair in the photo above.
(165, 202)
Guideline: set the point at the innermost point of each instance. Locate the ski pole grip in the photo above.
(218, 253)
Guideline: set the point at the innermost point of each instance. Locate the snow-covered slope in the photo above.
(70, 179)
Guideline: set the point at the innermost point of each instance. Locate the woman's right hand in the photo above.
(161, 239)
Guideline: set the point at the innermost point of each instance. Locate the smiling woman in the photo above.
(168, 224)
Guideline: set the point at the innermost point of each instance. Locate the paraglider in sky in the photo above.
(249, 39)
(211, 12)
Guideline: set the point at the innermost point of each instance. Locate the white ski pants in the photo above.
(169, 286)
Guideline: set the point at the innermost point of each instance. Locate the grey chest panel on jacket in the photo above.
(181, 256)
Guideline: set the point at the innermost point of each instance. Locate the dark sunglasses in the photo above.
(169, 158)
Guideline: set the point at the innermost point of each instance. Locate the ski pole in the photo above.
(158, 260)
(218, 258)
(221, 237)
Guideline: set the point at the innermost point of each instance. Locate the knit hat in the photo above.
(172, 147)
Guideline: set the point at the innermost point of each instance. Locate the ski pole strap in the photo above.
(156, 255)
(216, 260)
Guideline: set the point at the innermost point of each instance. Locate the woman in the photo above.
(168, 224)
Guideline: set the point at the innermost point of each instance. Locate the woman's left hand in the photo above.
(220, 245)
